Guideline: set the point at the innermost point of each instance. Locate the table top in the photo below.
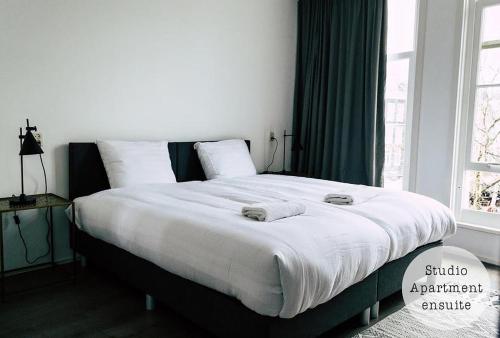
(42, 201)
(286, 173)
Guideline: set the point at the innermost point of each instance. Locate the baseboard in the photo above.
(483, 243)
(479, 228)
(62, 261)
(489, 261)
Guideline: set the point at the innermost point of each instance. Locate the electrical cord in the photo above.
(274, 153)
(18, 223)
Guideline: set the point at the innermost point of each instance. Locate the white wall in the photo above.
(437, 120)
(83, 70)
(438, 98)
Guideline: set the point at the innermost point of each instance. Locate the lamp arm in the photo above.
(28, 128)
(22, 176)
(21, 136)
(285, 135)
(284, 151)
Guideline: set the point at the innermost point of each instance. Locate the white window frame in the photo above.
(415, 67)
(469, 57)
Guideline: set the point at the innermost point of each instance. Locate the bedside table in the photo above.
(286, 173)
(42, 201)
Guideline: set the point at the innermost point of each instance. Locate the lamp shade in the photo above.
(30, 145)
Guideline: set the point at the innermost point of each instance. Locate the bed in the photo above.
(237, 304)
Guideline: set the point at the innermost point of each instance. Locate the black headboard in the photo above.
(87, 174)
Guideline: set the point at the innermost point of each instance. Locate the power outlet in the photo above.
(272, 137)
(38, 137)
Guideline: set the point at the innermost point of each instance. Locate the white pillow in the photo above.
(132, 163)
(229, 158)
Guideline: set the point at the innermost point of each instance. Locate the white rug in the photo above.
(402, 324)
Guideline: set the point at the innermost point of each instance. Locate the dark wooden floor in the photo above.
(99, 305)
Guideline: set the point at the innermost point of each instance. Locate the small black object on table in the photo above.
(286, 173)
(42, 201)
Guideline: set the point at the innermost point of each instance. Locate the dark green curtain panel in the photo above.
(339, 90)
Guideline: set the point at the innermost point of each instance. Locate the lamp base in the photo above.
(22, 201)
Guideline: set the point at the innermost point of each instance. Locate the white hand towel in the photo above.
(352, 197)
(340, 199)
(271, 211)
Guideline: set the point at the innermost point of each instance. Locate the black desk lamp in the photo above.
(29, 146)
(296, 146)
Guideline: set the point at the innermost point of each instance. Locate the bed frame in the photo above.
(216, 312)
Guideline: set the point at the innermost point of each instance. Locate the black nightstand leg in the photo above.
(2, 271)
(73, 236)
(51, 217)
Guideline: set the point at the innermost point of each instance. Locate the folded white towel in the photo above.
(355, 196)
(340, 199)
(271, 211)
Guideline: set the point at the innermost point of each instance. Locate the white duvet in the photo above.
(279, 268)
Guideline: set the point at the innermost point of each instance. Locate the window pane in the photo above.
(491, 18)
(482, 191)
(489, 57)
(489, 66)
(400, 25)
(486, 130)
(396, 93)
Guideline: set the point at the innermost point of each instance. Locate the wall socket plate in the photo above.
(38, 137)
(272, 136)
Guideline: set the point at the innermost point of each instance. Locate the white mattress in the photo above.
(281, 268)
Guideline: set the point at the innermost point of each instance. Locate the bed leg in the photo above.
(83, 261)
(374, 310)
(150, 303)
(364, 317)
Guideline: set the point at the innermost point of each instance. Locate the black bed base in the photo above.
(225, 316)
(218, 313)
(390, 275)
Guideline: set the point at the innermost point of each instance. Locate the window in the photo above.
(401, 41)
(477, 199)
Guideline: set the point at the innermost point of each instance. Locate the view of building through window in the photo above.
(400, 61)
(483, 187)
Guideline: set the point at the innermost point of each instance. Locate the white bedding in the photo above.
(411, 220)
(280, 268)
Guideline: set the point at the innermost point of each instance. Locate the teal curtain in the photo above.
(339, 90)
